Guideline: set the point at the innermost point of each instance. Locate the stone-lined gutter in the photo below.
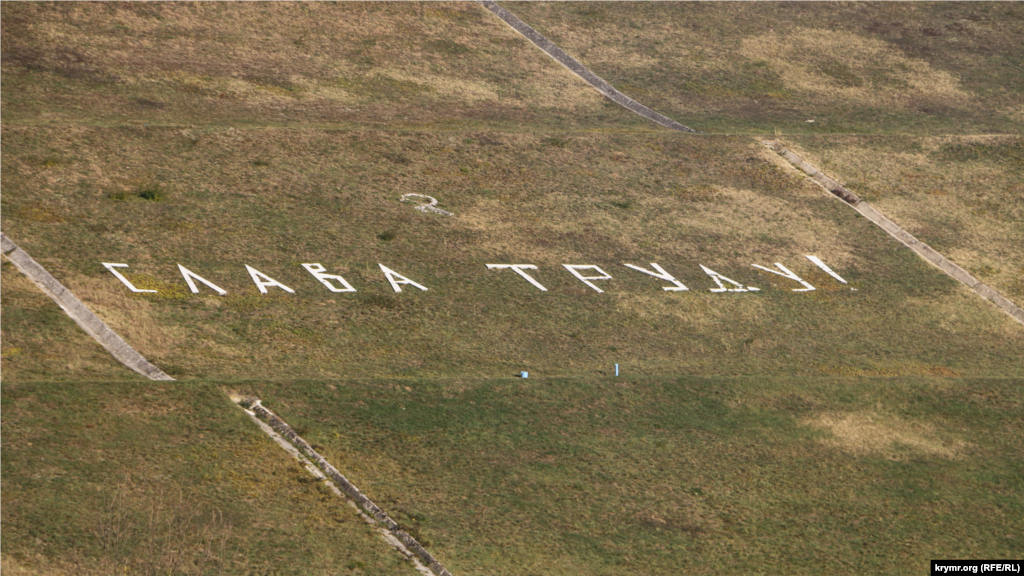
(922, 249)
(254, 408)
(79, 312)
(580, 70)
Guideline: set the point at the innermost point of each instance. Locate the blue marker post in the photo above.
(616, 369)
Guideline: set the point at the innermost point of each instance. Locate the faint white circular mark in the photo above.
(429, 206)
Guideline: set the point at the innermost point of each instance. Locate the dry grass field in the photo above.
(437, 66)
(963, 195)
(865, 429)
(865, 67)
(276, 198)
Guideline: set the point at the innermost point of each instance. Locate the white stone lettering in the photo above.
(518, 268)
(787, 273)
(718, 278)
(395, 279)
(317, 270)
(679, 287)
(266, 281)
(817, 262)
(124, 280)
(190, 276)
(575, 268)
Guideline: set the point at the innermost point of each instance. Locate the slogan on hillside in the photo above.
(586, 273)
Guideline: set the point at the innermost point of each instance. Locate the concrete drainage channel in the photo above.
(834, 188)
(319, 467)
(283, 434)
(922, 249)
(580, 70)
(277, 429)
(78, 311)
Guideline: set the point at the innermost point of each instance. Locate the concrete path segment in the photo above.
(580, 70)
(312, 469)
(79, 312)
(347, 487)
(893, 229)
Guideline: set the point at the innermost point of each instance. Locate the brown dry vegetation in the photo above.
(438, 65)
(962, 195)
(217, 135)
(871, 434)
(333, 197)
(876, 67)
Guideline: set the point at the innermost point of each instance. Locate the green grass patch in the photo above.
(559, 476)
(106, 477)
(662, 476)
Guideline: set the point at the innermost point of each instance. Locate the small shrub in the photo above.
(387, 236)
(152, 193)
(557, 142)
(447, 47)
(379, 301)
(397, 158)
(260, 162)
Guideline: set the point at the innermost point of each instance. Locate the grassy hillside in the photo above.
(440, 66)
(275, 198)
(682, 475)
(820, 431)
(962, 195)
(40, 341)
(112, 478)
(865, 67)
(542, 476)
(921, 68)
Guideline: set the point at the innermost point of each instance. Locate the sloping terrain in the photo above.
(40, 341)
(963, 195)
(113, 478)
(878, 419)
(440, 66)
(683, 475)
(275, 198)
(865, 67)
